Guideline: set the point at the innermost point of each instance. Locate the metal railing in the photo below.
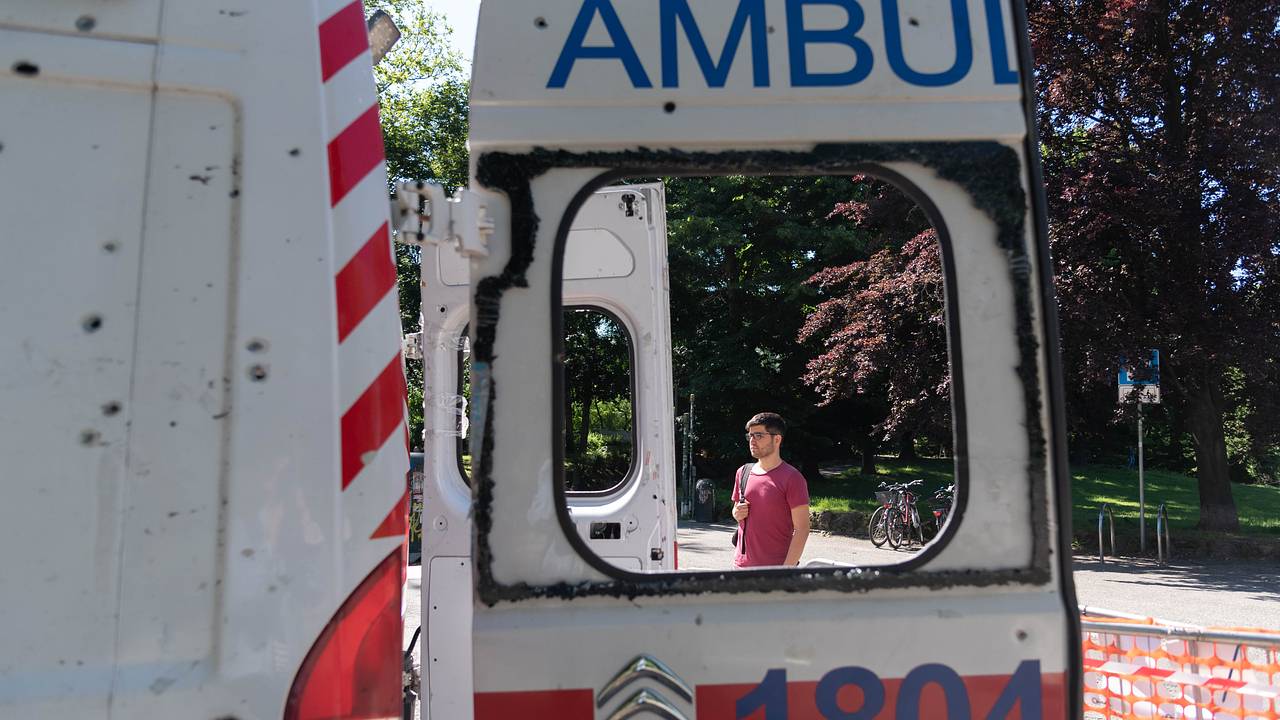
(1164, 548)
(1111, 521)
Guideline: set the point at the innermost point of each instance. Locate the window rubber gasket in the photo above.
(989, 172)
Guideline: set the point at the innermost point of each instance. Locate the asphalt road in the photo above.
(1209, 593)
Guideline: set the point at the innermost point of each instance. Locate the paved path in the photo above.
(705, 546)
(1237, 594)
(1201, 592)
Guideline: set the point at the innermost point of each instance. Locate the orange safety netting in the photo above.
(1137, 676)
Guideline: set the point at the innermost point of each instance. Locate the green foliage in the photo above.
(422, 103)
(740, 251)
(597, 376)
(422, 98)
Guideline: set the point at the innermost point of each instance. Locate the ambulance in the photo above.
(203, 433)
(205, 436)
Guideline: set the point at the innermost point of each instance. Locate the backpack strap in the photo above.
(743, 473)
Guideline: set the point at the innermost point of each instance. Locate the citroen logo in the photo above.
(648, 700)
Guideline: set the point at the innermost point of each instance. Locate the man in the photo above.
(776, 501)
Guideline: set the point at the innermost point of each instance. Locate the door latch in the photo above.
(423, 214)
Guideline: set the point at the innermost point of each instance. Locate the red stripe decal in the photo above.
(559, 704)
(371, 420)
(354, 153)
(342, 38)
(397, 523)
(364, 281)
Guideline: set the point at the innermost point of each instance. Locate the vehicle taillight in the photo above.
(353, 671)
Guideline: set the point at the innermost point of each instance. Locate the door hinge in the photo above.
(412, 346)
(424, 214)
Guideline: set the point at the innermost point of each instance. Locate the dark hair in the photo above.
(772, 422)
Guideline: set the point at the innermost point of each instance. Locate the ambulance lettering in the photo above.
(856, 693)
(751, 14)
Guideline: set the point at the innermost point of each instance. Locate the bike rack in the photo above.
(1164, 547)
(1111, 520)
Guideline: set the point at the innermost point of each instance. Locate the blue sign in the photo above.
(675, 16)
(1142, 373)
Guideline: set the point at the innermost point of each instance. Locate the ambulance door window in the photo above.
(823, 299)
(598, 426)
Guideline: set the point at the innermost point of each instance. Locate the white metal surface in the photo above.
(614, 262)
(559, 79)
(175, 531)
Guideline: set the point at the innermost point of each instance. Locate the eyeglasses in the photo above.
(758, 436)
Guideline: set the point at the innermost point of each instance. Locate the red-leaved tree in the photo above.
(882, 323)
(1159, 122)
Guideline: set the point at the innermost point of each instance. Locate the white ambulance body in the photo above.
(203, 430)
(570, 95)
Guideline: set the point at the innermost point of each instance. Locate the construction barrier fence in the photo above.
(1146, 668)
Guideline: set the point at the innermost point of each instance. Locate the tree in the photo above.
(882, 325)
(1161, 158)
(422, 103)
(597, 370)
(740, 250)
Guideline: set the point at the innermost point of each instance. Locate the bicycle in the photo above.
(878, 526)
(904, 518)
(943, 499)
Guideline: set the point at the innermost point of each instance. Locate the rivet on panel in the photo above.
(85, 23)
(258, 373)
(92, 323)
(22, 67)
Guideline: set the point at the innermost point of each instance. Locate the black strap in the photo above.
(743, 473)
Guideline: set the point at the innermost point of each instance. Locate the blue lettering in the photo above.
(1023, 690)
(798, 38)
(770, 694)
(957, 697)
(898, 60)
(1000, 70)
(620, 50)
(825, 696)
(716, 73)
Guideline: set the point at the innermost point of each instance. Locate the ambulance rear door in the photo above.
(933, 98)
(615, 276)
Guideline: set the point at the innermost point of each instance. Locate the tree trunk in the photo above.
(1204, 416)
(567, 440)
(907, 447)
(584, 429)
(868, 445)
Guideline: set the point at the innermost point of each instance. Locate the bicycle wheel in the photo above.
(878, 529)
(897, 529)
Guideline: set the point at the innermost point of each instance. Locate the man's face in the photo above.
(761, 441)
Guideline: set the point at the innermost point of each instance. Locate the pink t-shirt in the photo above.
(768, 528)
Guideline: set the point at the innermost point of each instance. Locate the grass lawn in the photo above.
(1091, 486)
(850, 490)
